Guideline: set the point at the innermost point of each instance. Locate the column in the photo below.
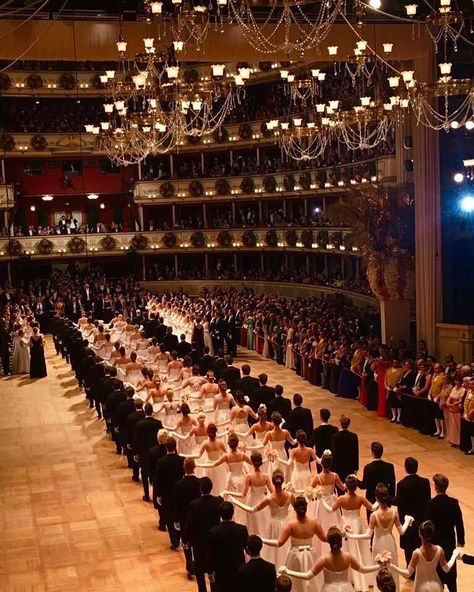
(262, 263)
(343, 267)
(171, 166)
(206, 265)
(143, 268)
(202, 163)
(173, 214)
(176, 265)
(260, 210)
(395, 320)
(326, 266)
(140, 171)
(204, 214)
(427, 220)
(141, 220)
(308, 270)
(305, 205)
(284, 206)
(235, 261)
(233, 210)
(324, 199)
(258, 156)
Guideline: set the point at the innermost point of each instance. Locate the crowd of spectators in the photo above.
(68, 226)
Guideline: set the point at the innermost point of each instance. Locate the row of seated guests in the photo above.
(208, 527)
(68, 225)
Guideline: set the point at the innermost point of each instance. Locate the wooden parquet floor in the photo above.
(72, 519)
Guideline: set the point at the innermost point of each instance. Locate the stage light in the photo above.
(467, 204)
(454, 124)
(375, 4)
(469, 124)
(458, 177)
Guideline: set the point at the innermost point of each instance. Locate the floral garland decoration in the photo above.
(169, 240)
(44, 247)
(67, 81)
(249, 239)
(220, 135)
(38, 142)
(196, 189)
(139, 242)
(198, 240)
(34, 81)
(266, 133)
(224, 238)
(108, 243)
(7, 142)
(245, 131)
(14, 247)
(269, 184)
(291, 238)
(247, 185)
(271, 238)
(5, 81)
(76, 245)
(305, 181)
(307, 238)
(167, 189)
(222, 187)
(289, 182)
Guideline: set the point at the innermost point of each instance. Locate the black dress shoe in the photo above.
(161, 528)
(136, 479)
(174, 547)
(146, 498)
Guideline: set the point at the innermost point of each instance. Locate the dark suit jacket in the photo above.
(231, 375)
(186, 490)
(119, 419)
(257, 575)
(300, 418)
(413, 494)
(467, 559)
(378, 471)
(131, 424)
(206, 363)
(322, 438)
(145, 436)
(345, 452)
(446, 515)
(204, 515)
(171, 342)
(248, 385)
(219, 365)
(226, 546)
(169, 470)
(262, 396)
(280, 404)
(183, 348)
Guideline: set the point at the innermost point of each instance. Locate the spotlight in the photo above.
(375, 4)
(455, 124)
(458, 177)
(469, 124)
(467, 204)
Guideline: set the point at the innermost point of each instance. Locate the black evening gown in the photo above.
(37, 362)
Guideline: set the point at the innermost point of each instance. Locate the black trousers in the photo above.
(5, 355)
(132, 464)
(188, 554)
(144, 470)
(167, 514)
(449, 579)
(200, 560)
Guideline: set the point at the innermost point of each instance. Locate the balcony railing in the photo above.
(322, 240)
(328, 180)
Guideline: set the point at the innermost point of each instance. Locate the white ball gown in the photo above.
(278, 517)
(384, 541)
(325, 517)
(426, 577)
(336, 581)
(21, 356)
(218, 475)
(301, 557)
(359, 548)
(257, 522)
(300, 476)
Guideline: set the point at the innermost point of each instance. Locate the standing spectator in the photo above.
(345, 450)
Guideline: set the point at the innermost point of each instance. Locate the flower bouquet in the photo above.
(220, 135)
(44, 246)
(222, 187)
(383, 558)
(169, 240)
(38, 142)
(249, 239)
(196, 189)
(245, 131)
(139, 242)
(224, 238)
(108, 243)
(318, 492)
(167, 189)
(198, 240)
(247, 185)
(76, 245)
(271, 454)
(269, 184)
(271, 238)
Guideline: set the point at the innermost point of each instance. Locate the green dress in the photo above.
(250, 335)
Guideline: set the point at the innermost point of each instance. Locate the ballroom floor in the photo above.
(72, 519)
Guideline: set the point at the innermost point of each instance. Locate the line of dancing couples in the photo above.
(254, 451)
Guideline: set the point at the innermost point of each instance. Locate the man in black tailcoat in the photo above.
(145, 438)
(345, 450)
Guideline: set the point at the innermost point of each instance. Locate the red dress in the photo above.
(381, 367)
(243, 336)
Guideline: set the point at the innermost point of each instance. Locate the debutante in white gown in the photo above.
(186, 446)
(326, 518)
(257, 522)
(301, 557)
(301, 476)
(198, 442)
(21, 356)
(426, 577)
(278, 517)
(359, 548)
(218, 475)
(207, 338)
(336, 581)
(385, 541)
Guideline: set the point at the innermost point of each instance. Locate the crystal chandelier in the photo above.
(289, 27)
(152, 105)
